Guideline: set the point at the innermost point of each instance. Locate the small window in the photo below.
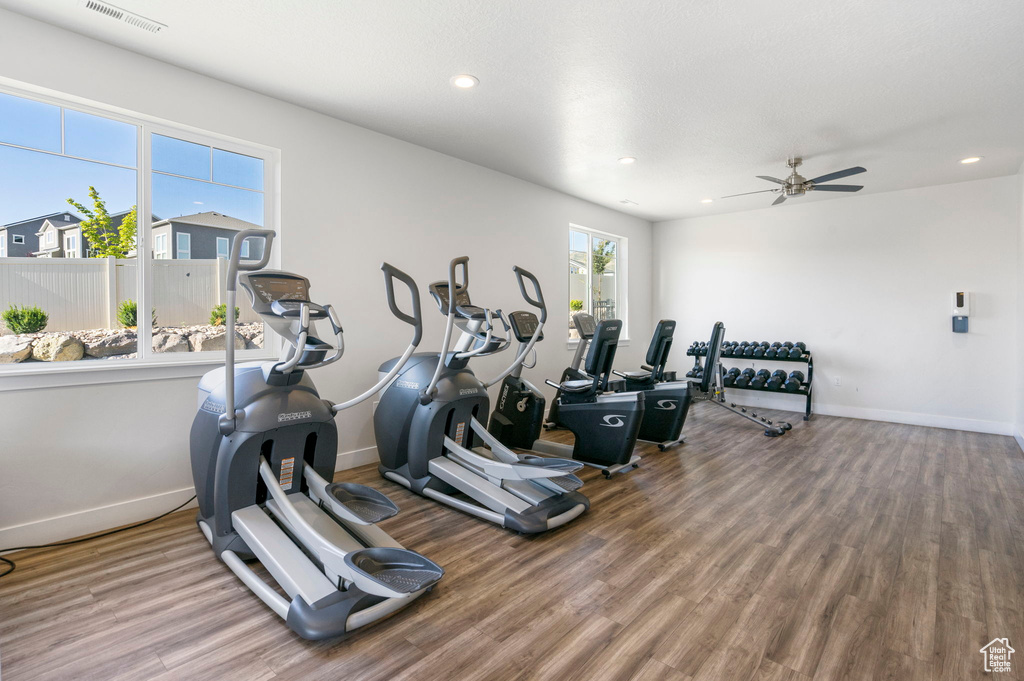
(184, 246)
(18, 238)
(3, 245)
(160, 247)
(245, 249)
(596, 261)
(71, 246)
(51, 238)
(223, 247)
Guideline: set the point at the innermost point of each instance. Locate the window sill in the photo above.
(572, 343)
(40, 375)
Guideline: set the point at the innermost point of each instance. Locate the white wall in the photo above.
(350, 198)
(867, 282)
(1019, 415)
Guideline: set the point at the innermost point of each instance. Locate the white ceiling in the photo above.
(705, 95)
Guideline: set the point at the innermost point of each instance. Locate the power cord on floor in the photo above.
(13, 566)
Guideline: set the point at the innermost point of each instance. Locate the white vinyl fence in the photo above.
(83, 293)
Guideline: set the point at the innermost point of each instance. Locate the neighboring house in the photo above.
(61, 236)
(21, 239)
(202, 236)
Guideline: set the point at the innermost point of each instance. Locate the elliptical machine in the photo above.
(264, 447)
(429, 437)
(605, 423)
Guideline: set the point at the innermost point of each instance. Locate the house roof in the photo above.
(39, 217)
(59, 224)
(210, 219)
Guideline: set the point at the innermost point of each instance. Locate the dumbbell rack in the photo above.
(805, 390)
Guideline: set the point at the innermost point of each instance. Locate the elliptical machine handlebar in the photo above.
(453, 289)
(415, 319)
(537, 302)
(229, 417)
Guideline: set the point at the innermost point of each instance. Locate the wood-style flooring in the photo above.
(845, 550)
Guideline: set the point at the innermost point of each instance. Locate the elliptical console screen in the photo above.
(524, 324)
(441, 289)
(273, 287)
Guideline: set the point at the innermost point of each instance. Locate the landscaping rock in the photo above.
(256, 343)
(15, 349)
(57, 348)
(118, 343)
(171, 342)
(215, 340)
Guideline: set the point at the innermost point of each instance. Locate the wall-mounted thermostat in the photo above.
(961, 311)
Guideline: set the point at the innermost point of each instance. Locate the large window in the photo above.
(152, 207)
(3, 245)
(596, 262)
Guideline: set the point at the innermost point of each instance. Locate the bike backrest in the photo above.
(601, 355)
(714, 352)
(661, 343)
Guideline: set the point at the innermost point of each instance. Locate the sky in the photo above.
(187, 178)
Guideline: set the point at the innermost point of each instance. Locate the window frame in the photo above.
(73, 238)
(3, 245)
(50, 238)
(15, 237)
(178, 250)
(149, 365)
(243, 252)
(621, 278)
(227, 247)
(160, 252)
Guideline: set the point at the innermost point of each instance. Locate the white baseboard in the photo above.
(1019, 437)
(886, 415)
(357, 457)
(81, 523)
(93, 520)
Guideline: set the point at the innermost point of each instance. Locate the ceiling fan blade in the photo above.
(771, 179)
(782, 197)
(838, 188)
(745, 193)
(839, 174)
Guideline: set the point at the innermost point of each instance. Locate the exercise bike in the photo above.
(668, 400)
(264, 448)
(605, 423)
(429, 437)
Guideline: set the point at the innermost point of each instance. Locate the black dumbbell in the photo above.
(760, 378)
(801, 345)
(794, 382)
(764, 344)
(776, 344)
(744, 378)
(734, 372)
(787, 345)
(744, 344)
(777, 380)
(771, 353)
(748, 351)
(759, 351)
(727, 351)
(795, 353)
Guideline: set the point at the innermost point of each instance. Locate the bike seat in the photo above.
(577, 386)
(634, 375)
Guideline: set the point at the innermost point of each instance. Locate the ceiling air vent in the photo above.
(130, 18)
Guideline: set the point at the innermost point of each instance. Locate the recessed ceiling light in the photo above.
(972, 159)
(626, 160)
(465, 81)
(706, 200)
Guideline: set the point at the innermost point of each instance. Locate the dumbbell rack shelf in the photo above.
(805, 391)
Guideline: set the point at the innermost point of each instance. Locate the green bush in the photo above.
(576, 305)
(128, 313)
(25, 319)
(219, 315)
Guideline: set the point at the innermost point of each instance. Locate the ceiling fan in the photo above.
(797, 185)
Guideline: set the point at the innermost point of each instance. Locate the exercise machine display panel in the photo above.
(270, 287)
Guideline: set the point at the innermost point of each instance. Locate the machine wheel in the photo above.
(661, 448)
(606, 474)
